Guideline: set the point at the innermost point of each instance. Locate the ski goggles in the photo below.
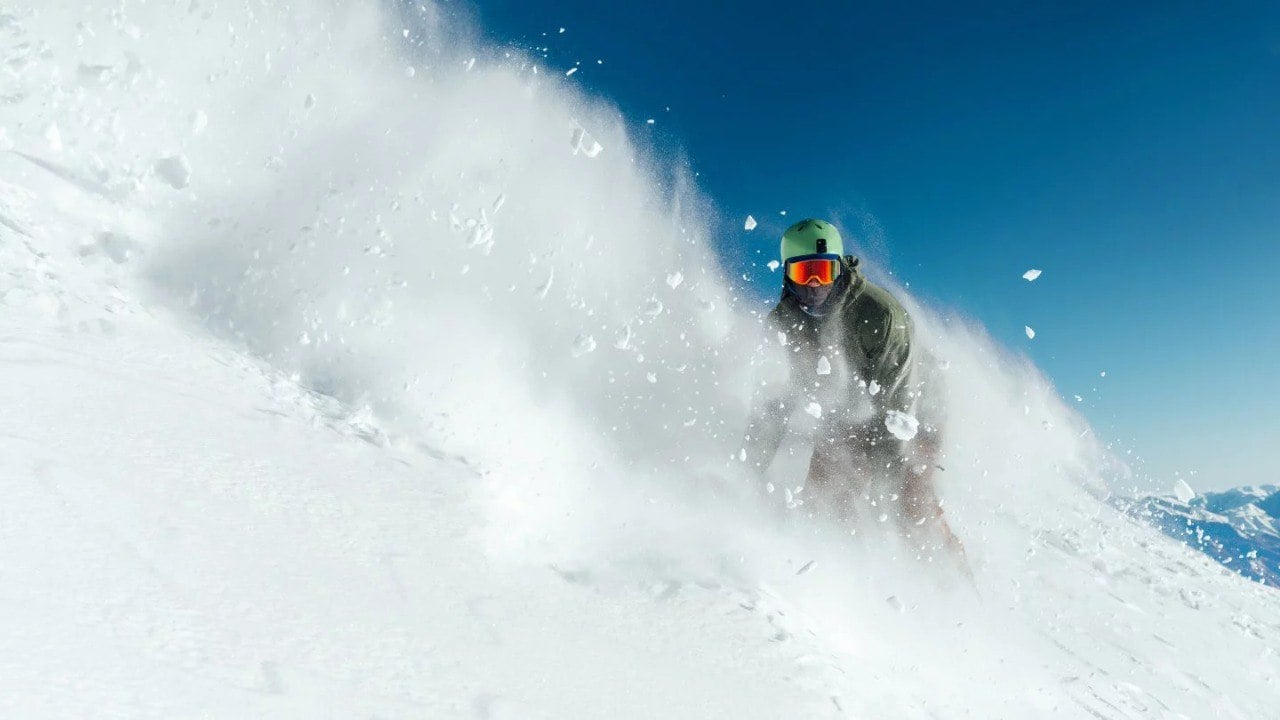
(825, 268)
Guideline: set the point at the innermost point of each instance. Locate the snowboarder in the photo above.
(854, 366)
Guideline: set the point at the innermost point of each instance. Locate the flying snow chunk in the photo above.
(750, 224)
(540, 292)
(873, 388)
(583, 344)
(824, 365)
(1183, 491)
(94, 74)
(674, 279)
(571, 71)
(1030, 333)
(774, 265)
(54, 138)
(901, 425)
(583, 143)
(1031, 275)
(174, 170)
(481, 237)
(651, 377)
(814, 409)
(623, 340)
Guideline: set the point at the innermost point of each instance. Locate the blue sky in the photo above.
(1131, 151)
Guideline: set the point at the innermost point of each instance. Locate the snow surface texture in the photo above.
(338, 390)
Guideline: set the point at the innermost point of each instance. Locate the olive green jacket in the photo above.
(866, 333)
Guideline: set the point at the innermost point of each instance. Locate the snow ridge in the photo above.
(1239, 528)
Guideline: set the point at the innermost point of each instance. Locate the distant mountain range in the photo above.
(1239, 528)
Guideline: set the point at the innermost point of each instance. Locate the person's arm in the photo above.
(892, 365)
(770, 411)
(886, 334)
(771, 406)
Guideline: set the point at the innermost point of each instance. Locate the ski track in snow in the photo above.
(204, 524)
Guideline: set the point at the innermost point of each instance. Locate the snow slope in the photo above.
(342, 380)
(187, 533)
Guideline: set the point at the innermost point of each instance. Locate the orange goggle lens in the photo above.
(802, 271)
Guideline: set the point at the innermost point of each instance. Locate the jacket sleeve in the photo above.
(886, 335)
(771, 404)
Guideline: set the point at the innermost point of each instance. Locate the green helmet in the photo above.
(811, 237)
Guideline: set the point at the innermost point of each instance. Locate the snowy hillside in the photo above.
(1239, 528)
(353, 369)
